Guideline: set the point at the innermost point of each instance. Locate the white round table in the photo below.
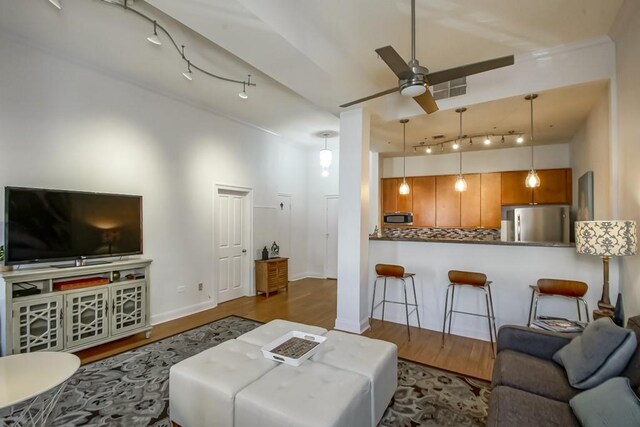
(29, 375)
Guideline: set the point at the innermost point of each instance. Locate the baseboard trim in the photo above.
(306, 276)
(181, 312)
(351, 326)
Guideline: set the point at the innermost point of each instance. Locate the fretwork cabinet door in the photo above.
(86, 317)
(128, 309)
(37, 325)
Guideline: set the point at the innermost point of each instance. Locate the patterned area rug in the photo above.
(132, 389)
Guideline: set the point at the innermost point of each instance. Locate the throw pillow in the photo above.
(611, 404)
(601, 352)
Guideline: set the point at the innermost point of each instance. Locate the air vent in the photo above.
(450, 89)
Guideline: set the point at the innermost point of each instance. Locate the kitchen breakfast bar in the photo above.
(511, 266)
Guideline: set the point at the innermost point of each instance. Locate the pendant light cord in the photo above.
(531, 131)
(460, 138)
(404, 151)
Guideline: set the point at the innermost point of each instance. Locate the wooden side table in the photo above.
(272, 275)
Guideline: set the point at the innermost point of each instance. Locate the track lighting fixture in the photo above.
(532, 180)
(520, 139)
(188, 74)
(461, 184)
(154, 37)
(428, 150)
(243, 94)
(455, 145)
(56, 3)
(404, 187)
(487, 140)
(126, 5)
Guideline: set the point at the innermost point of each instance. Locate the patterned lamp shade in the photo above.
(606, 238)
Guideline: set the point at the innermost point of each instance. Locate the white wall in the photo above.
(494, 160)
(626, 34)
(591, 151)
(318, 187)
(66, 126)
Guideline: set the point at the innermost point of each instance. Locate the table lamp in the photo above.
(606, 239)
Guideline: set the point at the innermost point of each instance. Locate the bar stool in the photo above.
(389, 271)
(475, 280)
(557, 287)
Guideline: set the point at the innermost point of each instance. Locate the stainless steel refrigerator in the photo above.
(540, 223)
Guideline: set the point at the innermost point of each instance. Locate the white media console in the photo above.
(71, 320)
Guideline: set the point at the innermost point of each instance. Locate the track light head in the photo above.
(154, 37)
(243, 94)
(56, 3)
(487, 141)
(520, 139)
(429, 150)
(188, 74)
(455, 145)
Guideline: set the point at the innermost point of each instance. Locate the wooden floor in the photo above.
(313, 301)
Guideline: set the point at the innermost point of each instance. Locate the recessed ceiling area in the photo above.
(558, 115)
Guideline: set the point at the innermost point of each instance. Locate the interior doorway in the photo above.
(331, 234)
(232, 213)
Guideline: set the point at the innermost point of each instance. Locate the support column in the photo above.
(353, 222)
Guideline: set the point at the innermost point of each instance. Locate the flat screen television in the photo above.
(54, 225)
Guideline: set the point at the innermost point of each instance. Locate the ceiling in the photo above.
(307, 57)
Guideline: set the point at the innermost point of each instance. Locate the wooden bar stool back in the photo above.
(561, 288)
(390, 271)
(474, 280)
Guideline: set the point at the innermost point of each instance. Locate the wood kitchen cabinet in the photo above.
(447, 202)
(392, 200)
(272, 275)
(555, 187)
(424, 201)
(470, 202)
(490, 200)
(513, 189)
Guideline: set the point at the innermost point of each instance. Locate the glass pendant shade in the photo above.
(533, 180)
(325, 158)
(461, 184)
(404, 188)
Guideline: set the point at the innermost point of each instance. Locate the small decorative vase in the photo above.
(265, 253)
(116, 275)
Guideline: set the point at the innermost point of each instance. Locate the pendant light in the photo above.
(404, 187)
(533, 180)
(325, 154)
(461, 184)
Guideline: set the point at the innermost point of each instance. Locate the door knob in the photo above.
(244, 251)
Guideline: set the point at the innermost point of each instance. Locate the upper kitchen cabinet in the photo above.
(447, 202)
(470, 203)
(424, 201)
(513, 189)
(555, 187)
(490, 201)
(392, 200)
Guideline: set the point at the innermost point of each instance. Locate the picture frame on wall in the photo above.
(585, 197)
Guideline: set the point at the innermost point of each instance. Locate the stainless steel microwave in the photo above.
(398, 218)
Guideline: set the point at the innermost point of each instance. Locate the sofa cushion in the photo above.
(529, 373)
(601, 352)
(611, 404)
(510, 407)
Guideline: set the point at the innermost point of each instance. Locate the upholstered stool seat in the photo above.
(375, 359)
(390, 271)
(203, 387)
(263, 335)
(312, 394)
(558, 288)
(473, 280)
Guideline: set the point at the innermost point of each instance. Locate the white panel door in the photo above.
(331, 258)
(231, 251)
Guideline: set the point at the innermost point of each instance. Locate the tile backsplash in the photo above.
(442, 233)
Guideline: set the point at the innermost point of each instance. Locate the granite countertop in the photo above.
(482, 236)
(474, 241)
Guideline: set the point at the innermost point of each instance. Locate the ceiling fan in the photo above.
(414, 80)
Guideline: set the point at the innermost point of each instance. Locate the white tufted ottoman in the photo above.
(375, 359)
(263, 335)
(203, 387)
(310, 395)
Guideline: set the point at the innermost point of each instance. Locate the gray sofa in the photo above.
(529, 388)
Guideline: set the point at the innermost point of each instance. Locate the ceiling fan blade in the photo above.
(427, 102)
(358, 101)
(467, 70)
(394, 61)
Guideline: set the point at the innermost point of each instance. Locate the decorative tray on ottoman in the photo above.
(293, 348)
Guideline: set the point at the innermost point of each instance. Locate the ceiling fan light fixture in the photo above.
(413, 90)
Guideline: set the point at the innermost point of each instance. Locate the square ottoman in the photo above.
(202, 388)
(266, 333)
(310, 395)
(375, 359)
